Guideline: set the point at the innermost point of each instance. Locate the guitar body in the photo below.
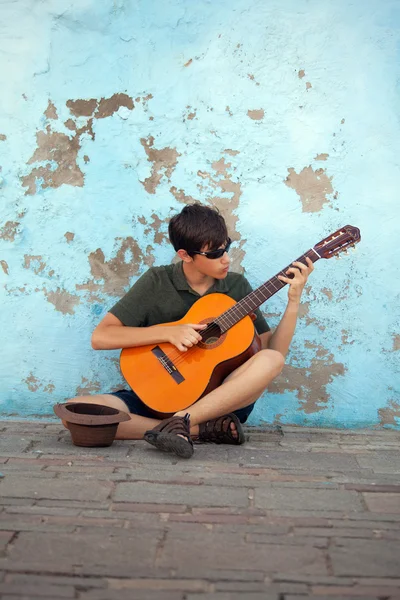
(167, 380)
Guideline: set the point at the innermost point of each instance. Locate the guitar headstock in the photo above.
(338, 242)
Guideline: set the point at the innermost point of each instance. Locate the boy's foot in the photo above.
(172, 435)
(224, 430)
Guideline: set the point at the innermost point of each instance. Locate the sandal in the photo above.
(219, 431)
(166, 436)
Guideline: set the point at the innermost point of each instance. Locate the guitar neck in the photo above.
(249, 303)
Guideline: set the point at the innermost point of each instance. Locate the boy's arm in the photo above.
(111, 334)
(281, 338)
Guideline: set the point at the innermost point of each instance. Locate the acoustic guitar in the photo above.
(168, 380)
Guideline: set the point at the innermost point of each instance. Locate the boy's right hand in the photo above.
(184, 336)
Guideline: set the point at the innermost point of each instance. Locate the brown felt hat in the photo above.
(90, 424)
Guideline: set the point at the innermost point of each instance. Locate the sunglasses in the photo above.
(215, 253)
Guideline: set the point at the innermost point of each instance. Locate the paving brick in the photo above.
(11, 444)
(90, 554)
(41, 590)
(13, 486)
(383, 503)
(317, 499)
(207, 550)
(375, 558)
(138, 595)
(381, 462)
(372, 487)
(180, 494)
(147, 507)
(367, 591)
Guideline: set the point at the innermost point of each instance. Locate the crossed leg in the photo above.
(241, 388)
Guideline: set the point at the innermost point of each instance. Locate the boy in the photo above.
(165, 294)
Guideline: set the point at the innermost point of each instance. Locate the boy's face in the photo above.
(214, 267)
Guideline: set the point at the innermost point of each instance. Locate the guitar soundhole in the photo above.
(212, 336)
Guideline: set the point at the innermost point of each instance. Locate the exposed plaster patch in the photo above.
(82, 108)
(86, 158)
(321, 157)
(389, 414)
(34, 262)
(32, 382)
(188, 63)
(181, 196)
(396, 343)
(309, 383)
(311, 186)
(70, 124)
(328, 293)
(9, 231)
(304, 310)
(149, 259)
(159, 236)
(345, 338)
(61, 149)
(116, 272)
(301, 73)
(69, 236)
(231, 152)
(108, 106)
(63, 301)
(87, 387)
(90, 286)
(308, 85)
(4, 266)
(51, 112)
(163, 162)
(256, 114)
(251, 76)
(228, 110)
(2, 137)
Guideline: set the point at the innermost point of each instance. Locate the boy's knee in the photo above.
(274, 358)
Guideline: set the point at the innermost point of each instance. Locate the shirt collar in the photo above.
(180, 281)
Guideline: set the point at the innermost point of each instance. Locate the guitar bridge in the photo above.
(168, 365)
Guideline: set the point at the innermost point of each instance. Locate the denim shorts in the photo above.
(136, 406)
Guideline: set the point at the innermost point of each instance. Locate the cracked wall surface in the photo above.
(99, 149)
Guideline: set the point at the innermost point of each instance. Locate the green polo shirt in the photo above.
(163, 295)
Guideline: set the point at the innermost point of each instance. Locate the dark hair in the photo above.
(197, 226)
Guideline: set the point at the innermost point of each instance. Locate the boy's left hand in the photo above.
(298, 281)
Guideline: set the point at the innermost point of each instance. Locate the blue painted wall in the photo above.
(282, 113)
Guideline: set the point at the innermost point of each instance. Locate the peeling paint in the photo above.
(61, 149)
(109, 106)
(301, 73)
(328, 293)
(308, 85)
(63, 301)
(4, 266)
(389, 414)
(311, 186)
(32, 382)
(87, 387)
(396, 343)
(116, 272)
(256, 114)
(163, 162)
(69, 236)
(9, 231)
(321, 157)
(3, 137)
(181, 196)
(51, 112)
(34, 262)
(309, 383)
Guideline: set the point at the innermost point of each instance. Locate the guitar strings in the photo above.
(178, 357)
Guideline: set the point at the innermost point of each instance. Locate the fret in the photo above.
(252, 301)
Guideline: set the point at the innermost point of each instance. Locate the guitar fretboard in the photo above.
(249, 303)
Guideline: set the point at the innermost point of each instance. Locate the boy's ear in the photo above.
(184, 256)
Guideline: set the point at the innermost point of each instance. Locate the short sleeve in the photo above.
(260, 323)
(132, 309)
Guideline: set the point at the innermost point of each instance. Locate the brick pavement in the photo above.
(313, 513)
